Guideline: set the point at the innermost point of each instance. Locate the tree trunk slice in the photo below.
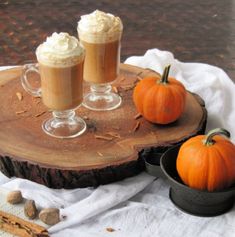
(112, 148)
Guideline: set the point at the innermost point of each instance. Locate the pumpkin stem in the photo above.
(217, 131)
(164, 78)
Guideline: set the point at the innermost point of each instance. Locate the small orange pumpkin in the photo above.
(207, 162)
(160, 100)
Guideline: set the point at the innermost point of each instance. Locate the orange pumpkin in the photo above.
(207, 162)
(160, 100)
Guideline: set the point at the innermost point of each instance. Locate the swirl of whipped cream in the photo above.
(60, 50)
(99, 27)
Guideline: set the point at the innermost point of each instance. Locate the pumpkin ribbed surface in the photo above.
(207, 167)
(158, 102)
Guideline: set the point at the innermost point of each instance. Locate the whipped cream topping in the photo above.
(60, 49)
(99, 27)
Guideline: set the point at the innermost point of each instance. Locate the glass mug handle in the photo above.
(36, 92)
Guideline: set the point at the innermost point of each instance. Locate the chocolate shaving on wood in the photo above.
(39, 114)
(115, 89)
(113, 134)
(137, 116)
(37, 100)
(139, 73)
(103, 137)
(138, 76)
(17, 226)
(116, 127)
(137, 125)
(128, 87)
(21, 111)
(19, 96)
(122, 79)
(99, 153)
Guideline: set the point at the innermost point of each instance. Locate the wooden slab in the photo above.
(27, 152)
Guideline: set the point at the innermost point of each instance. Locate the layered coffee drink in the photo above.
(102, 62)
(60, 67)
(61, 61)
(100, 33)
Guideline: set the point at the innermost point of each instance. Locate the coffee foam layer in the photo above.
(99, 27)
(60, 50)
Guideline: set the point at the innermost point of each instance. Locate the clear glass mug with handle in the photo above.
(64, 123)
(61, 92)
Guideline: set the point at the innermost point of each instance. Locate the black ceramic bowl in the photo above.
(192, 201)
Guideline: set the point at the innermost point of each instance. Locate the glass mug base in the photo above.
(100, 98)
(106, 102)
(64, 124)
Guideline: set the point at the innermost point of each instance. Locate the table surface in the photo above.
(195, 31)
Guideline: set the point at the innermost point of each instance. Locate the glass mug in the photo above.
(62, 92)
(101, 68)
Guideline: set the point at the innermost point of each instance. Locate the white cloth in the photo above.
(210, 82)
(139, 206)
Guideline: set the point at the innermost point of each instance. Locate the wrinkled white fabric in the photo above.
(139, 206)
(210, 82)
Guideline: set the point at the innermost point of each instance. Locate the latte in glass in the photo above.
(61, 61)
(100, 33)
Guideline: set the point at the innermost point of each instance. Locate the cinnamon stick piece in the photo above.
(99, 153)
(103, 137)
(137, 116)
(128, 87)
(115, 89)
(113, 134)
(19, 96)
(137, 125)
(40, 113)
(21, 111)
(22, 228)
